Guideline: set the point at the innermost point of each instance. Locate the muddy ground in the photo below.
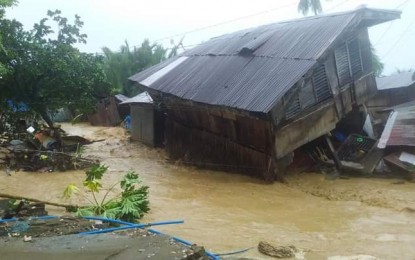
(141, 245)
(225, 212)
(61, 238)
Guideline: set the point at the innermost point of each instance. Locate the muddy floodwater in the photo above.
(226, 212)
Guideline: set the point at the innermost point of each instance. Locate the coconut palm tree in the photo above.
(305, 6)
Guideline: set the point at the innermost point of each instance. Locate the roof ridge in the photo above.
(249, 56)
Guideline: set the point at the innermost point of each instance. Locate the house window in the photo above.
(348, 61)
(315, 90)
(293, 107)
(321, 84)
(307, 98)
(292, 102)
(342, 63)
(355, 58)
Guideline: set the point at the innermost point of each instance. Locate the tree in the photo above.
(305, 6)
(49, 73)
(3, 5)
(119, 66)
(377, 65)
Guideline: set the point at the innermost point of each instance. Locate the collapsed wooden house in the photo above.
(108, 112)
(245, 101)
(392, 91)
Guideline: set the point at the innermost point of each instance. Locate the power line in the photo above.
(226, 22)
(402, 4)
(399, 39)
(391, 24)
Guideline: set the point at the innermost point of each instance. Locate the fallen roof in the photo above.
(400, 80)
(400, 127)
(143, 97)
(252, 69)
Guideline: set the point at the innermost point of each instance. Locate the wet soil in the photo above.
(226, 212)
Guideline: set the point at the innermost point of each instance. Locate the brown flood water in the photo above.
(226, 212)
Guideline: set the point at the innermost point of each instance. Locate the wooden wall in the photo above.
(219, 139)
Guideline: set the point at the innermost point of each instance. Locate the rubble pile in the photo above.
(47, 150)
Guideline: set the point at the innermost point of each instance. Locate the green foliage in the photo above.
(45, 70)
(377, 65)
(3, 5)
(119, 66)
(96, 172)
(129, 205)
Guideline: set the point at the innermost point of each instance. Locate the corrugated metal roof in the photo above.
(400, 80)
(400, 128)
(120, 97)
(253, 68)
(143, 97)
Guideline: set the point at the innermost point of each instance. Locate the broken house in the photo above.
(108, 112)
(398, 139)
(392, 91)
(246, 100)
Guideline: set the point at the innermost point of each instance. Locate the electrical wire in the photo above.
(226, 22)
(391, 24)
(399, 39)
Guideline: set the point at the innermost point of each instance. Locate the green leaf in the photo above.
(96, 172)
(129, 180)
(92, 185)
(85, 212)
(70, 190)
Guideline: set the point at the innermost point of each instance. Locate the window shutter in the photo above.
(321, 84)
(342, 64)
(355, 58)
(293, 107)
(307, 98)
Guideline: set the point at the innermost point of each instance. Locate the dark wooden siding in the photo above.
(219, 138)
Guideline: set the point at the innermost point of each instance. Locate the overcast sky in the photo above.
(111, 22)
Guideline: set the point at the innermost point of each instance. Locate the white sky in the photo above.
(111, 22)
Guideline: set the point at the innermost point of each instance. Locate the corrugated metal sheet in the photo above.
(400, 80)
(252, 69)
(140, 98)
(400, 128)
(120, 97)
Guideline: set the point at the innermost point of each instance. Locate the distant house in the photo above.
(108, 112)
(246, 100)
(393, 90)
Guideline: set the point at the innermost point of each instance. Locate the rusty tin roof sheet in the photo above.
(400, 127)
